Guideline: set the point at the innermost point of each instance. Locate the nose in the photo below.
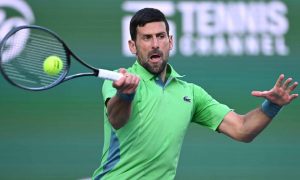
(155, 43)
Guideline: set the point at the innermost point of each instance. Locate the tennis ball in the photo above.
(53, 65)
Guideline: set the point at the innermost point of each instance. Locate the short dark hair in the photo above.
(144, 16)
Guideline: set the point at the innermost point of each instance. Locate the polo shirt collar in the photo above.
(146, 75)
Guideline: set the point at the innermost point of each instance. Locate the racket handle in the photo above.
(109, 75)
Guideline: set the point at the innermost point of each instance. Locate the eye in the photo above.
(147, 37)
(162, 36)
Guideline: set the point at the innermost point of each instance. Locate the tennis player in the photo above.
(148, 111)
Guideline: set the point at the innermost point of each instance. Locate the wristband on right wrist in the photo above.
(270, 109)
(125, 97)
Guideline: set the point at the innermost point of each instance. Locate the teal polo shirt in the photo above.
(148, 146)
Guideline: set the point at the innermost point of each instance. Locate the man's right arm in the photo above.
(119, 106)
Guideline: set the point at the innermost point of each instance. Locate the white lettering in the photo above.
(187, 10)
(281, 48)
(278, 24)
(236, 45)
(221, 28)
(186, 45)
(7, 23)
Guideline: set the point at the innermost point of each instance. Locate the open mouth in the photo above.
(155, 57)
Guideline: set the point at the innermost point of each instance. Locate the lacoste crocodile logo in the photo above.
(186, 99)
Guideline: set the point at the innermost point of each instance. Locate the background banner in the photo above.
(228, 47)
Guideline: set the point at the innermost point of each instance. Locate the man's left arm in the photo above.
(246, 127)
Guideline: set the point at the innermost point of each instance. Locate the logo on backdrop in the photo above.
(208, 28)
(14, 13)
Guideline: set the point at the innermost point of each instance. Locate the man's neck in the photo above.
(165, 74)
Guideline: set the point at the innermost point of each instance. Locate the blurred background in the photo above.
(228, 47)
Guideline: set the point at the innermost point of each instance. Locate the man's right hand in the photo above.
(119, 106)
(127, 84)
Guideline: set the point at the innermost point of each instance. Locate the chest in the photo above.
(165, 108)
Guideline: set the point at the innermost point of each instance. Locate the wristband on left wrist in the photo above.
(270, 109)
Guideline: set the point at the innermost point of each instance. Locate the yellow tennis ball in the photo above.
(53, 65)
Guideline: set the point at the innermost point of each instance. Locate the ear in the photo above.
(171, 42)
(132, 46)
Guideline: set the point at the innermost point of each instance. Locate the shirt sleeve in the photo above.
(208, 111)
(108, 91)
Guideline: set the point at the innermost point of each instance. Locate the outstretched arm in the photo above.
(119, 106)
(246, 127)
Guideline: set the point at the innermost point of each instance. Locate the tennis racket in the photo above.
(23, 51)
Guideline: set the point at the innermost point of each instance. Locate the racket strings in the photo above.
(23, 63)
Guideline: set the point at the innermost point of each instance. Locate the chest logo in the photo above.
(186, 99)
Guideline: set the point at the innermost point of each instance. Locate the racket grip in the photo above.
(109, 75)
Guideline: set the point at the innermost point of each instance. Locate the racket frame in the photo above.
(69, 55)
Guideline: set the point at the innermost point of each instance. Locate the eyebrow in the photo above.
(160, 33)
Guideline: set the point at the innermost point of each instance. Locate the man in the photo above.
(148, 110)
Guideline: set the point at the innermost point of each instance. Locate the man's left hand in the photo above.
(281, 93)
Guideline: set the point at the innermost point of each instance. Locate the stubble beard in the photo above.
(155, 68)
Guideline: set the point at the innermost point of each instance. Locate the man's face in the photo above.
(152, 46)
